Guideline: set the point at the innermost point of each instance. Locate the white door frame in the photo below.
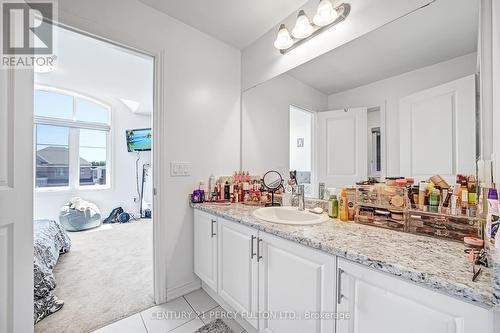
(159, 215)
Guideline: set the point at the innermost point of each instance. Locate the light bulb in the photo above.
(283, 40)
(303, 27)
(325, 14)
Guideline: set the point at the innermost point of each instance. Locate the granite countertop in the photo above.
(435, 263)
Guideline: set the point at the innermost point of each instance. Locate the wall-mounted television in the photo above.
(139, 139)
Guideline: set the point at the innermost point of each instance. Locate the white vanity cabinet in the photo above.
(205, 247)
(295, 280)
(261, 273)
(377, 302)
(238, 268)
(290, 285)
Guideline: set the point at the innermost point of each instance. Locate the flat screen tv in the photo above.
(139, 139)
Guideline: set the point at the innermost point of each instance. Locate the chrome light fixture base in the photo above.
(343, 11)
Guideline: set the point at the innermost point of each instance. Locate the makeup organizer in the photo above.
(389, 207)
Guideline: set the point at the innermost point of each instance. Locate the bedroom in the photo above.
(92, 131)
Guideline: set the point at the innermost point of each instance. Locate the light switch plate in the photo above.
(180, 169)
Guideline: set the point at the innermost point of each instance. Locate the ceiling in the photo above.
(236, 22)
(100, 70)
(439, 32)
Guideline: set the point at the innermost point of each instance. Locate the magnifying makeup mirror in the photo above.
(272, 181)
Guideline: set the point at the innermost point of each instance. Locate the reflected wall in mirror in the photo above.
(399, 101)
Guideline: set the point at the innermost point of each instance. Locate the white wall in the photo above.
(261, 61)
(201, 92)
(123, 189)
(265, 122)
(391, 90)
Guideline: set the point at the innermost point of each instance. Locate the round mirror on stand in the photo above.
(272, 180)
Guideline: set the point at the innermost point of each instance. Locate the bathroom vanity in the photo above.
(336, 277)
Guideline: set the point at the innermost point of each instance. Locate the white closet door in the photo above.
(16, 201)
(342, 148)
(438, 131)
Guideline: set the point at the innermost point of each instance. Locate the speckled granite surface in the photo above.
(436, 263)
(495, 267)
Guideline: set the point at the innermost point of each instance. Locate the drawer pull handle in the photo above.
(339, 285)
(258, 249)
(212, 229)
(252, 253)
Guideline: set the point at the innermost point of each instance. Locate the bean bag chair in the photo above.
(79, 215)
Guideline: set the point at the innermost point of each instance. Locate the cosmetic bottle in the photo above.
(422, 190)
(227, 195)
(493, 210)
(454, 201)
(333, 207)
(286, 198)
(434, 201)
(464, 200)
(343, 209)
(231, 193)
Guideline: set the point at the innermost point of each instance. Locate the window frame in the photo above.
(74, 127)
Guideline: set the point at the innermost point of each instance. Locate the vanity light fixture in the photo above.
(283, 40)
(303, 27)
(326, 16)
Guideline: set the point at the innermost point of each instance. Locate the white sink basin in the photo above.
(289, 215)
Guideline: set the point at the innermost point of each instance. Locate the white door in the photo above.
(438, 131)
(342, 149)
(205, 248)
(295, 283)
(16, 201)
(238, 269)
(378, 302)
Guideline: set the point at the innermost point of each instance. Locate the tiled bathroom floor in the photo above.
(177, 316)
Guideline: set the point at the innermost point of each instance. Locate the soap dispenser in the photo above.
(286, 198)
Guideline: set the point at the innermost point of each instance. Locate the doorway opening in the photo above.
(93, 193)
(301, 147)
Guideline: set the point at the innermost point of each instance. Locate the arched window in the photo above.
(72, 140)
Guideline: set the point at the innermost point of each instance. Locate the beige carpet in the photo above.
(107, 275)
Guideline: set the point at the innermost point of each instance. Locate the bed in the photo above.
(50, 240)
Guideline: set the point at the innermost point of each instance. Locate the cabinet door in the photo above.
(205, 248)
(297, 281)
(238, 269)
(378, 302)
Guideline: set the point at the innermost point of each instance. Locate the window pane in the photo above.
(92, 112)
(92, 138)
(92, 157)
(51, 104)
(52, 135)
(52, 156)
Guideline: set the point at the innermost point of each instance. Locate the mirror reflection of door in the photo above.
(437, 130)
(301, 147)
(342, 149)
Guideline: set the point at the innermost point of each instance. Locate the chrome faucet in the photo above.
(300, 197)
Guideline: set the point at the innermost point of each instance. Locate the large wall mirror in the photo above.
(399, 101)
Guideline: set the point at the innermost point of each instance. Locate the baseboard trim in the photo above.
(183, 289)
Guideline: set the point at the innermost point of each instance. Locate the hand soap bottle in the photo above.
(333, 207)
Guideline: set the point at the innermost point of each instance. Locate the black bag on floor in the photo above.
(113, 216)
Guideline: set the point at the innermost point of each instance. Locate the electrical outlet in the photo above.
(180, 169)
